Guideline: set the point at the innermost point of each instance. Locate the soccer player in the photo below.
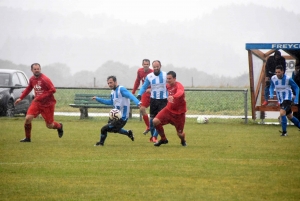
(43, 102)
(145, 99)
(120, 99)
(283, 85)
(174, 112)
(158, 97)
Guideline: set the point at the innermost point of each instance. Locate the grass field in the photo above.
(224, 160)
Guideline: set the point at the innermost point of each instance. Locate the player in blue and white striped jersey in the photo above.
(283, 86)
(157, 80)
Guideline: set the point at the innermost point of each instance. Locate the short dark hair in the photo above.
(114, 78)
(277, 53)
(156, 61)
(280, 67)
(146, 60)
(35, 64)
(172, 73)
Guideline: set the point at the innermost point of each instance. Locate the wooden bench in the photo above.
(85, 101)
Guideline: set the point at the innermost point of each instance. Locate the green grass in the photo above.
(224, 160)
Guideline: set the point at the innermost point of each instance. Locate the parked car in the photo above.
(12, 84)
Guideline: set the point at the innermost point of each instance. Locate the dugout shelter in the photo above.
(258, 53)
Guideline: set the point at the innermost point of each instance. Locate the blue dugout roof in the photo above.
(285, 46)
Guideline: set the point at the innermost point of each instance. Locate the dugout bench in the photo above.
(85, 101)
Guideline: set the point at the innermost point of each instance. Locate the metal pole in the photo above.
(246, 106)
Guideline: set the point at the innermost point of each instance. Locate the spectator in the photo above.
(271, 64)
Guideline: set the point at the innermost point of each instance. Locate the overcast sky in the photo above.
(141, 11)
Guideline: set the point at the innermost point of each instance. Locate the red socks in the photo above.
(146, 120)
(27, 130)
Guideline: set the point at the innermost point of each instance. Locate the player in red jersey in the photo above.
(145, 99)
(174, 112)
(43, 103)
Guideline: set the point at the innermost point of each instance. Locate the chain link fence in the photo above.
(216, 103)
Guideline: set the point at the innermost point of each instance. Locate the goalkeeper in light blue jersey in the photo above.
(283, 86)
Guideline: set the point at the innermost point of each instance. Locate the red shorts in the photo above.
(146, 99)
(177, 120)
(47, 112)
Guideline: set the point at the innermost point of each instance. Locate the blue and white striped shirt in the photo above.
(283, 88)
(158, 85)
(120, 99)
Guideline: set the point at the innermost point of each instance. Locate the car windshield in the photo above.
(4, 79)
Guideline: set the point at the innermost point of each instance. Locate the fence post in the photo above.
(246, 105)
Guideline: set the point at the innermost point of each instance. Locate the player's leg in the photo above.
(178, 121)
(145, 104)
(119, 128)
(285, 109)
(162, 118)
(48, 115)
(32, 112)
(103, 134)
(293, 119)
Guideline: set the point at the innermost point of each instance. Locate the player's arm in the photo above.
(180, 91)
(295, 89)
(27, 90)
(136, 83)
(129, 95)
(103, 101)
(144, 86)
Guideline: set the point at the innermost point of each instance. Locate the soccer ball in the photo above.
(202, 120)
(115, 114)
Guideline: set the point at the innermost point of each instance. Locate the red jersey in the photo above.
(141, 75)
(43, 89)
(178, 106)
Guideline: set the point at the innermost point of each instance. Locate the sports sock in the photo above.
(283, 123)
(161, 131)
(152, 129)
(123, 131)
(56, 125)
(182, 137)
(146, 120)
(296, 122)
(27, 130)
(103, 137)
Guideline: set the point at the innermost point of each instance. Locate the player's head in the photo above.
(279, 71)
(36, 69)
(112, 82)
(156, 67)
(277, 54)
(146, 64)
(171, 77)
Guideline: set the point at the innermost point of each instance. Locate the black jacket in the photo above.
(272, 63)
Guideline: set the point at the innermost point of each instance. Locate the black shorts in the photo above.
(287, 106)
(115, 126)
(157, 105)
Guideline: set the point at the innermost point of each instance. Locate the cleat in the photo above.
(183, 143)
(146, 131)
(265, 103)
(160, 142)
(154, 139)
(283, 133)
(130, 135)
(99, 144)
(25, 140)
(60, 131)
